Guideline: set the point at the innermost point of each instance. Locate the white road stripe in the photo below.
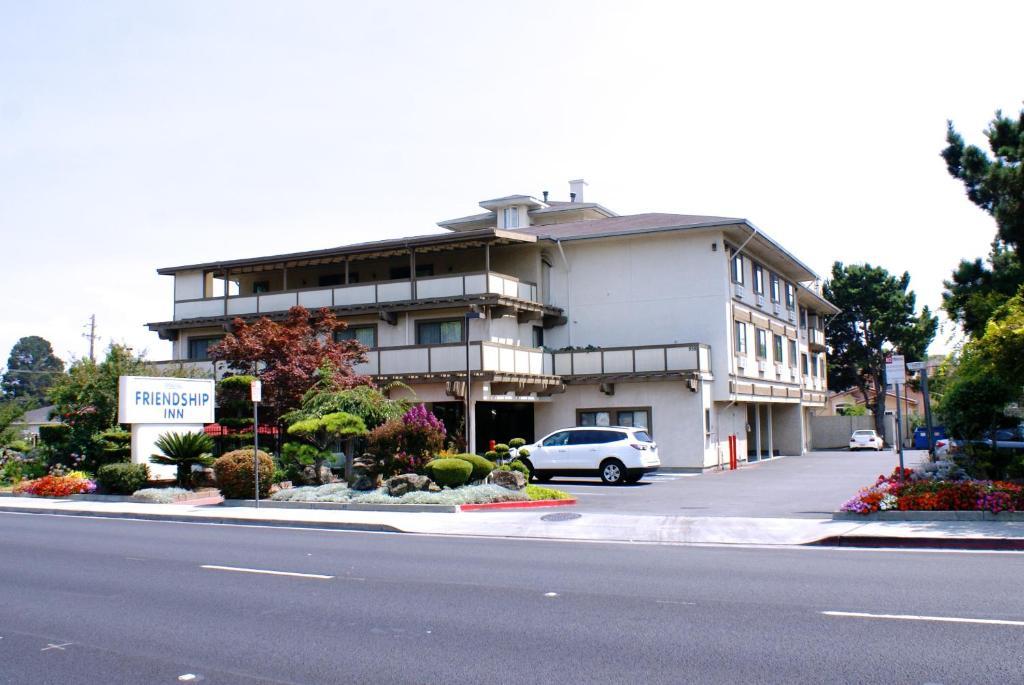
(266, 572)
(911, 617)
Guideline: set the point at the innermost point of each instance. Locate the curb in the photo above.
(534, 504)
(880, 541)
(222, 520)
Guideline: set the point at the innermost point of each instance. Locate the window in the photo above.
(758, 279)
(331, 279)
(629, 417)
(559, 439)
(803, 318)
(593, 437)
(762, 343)
(260, 287)
(790, 296)
(707, 422)
(737, 269)
(594, 418)
(740, 335)
(439, 332)
(777, 349)
(814, 366)
(511, 216)
(792, 353)
(803, 363)
(773, 281)
(401, 273)
(198, 348)
(538, 336)
(365, 335)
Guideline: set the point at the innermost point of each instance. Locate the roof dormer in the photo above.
(513, 211)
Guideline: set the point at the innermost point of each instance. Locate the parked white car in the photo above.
(866, 440)
(618, 454)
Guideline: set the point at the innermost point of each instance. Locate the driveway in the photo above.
(809, 486)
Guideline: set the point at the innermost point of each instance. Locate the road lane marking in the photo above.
(291, 574)
(669, 601)
(911, 617)
(61, 647)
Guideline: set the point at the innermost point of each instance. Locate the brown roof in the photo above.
(624, 225)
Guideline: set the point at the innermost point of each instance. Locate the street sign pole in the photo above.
(896, 375)
(257, 396)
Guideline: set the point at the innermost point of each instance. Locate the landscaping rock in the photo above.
(310, 475)
(510, 480)
(364, 473)
(407, 482)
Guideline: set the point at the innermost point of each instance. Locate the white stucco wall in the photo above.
(676, 416)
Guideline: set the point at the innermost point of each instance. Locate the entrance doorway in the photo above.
(502, 421)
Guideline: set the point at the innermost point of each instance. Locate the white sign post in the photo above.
(256, 391)
(157, 405)
(896, 375)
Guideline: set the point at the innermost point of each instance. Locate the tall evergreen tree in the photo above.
(32, 367)
(878, 315)
(995, 184)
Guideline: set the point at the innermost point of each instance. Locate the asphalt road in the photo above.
(114, 601)
(809, 486)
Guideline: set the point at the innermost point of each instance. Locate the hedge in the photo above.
(235, 474)
(449, 472)
(122, 479)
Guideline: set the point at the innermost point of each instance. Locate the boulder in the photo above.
(310, 475)
(364, 473)
(510, 480)
(407, 482)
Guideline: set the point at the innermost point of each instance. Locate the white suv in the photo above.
(618, 454)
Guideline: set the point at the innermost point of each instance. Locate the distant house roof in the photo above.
(36, 416)
(858, 399)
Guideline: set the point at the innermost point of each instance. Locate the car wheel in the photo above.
(613, 472)
(632, 479)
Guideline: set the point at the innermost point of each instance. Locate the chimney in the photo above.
(545, 196)
(576, 190)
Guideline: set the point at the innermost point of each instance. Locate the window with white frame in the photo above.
(511, 216)
(740, 337)
(737, 269)
(790, 296)
(773, 281)
(758, 279)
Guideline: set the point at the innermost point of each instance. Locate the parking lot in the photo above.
(809, 486)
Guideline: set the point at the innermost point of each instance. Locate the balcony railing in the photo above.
(633, 361)
(359, 295)
(426, 360)
(816, 338)
(451, 359)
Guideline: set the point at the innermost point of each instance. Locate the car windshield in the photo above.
(642, 436)
(864, 434)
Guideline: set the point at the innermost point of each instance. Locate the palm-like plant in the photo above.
(183, 450)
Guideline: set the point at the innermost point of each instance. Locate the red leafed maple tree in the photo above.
(288, 355)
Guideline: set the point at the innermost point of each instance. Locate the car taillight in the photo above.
(637, 446)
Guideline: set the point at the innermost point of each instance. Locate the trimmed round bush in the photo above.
(519, 466)
(449, 472)
(522, 452)
(516, 443)
(491, 455)
(481, 466)
(235, 474)
(122, 478)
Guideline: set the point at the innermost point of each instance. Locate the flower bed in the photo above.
(935, 491)
(56, 486)
(339, 492)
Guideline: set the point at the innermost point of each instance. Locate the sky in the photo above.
(140, 135)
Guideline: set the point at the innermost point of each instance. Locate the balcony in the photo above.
(496, 362)
(816, 339)
(354, 297)
(691, 360)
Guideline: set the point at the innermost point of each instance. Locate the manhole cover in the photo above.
(562, 516)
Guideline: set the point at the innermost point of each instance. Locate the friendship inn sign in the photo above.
(149, 400)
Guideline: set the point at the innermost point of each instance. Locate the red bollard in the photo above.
(492, 444)
(733, 465)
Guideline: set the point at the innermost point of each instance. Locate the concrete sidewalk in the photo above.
(565, 524)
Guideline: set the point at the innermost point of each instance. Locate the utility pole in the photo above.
(91, 335)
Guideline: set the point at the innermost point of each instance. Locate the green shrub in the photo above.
(234, 473)
(519, 466)
(481, 466)
(113, 445)
(516, 443)
(122, 479)
(536, 492)
(522, 453)
(54, 434)
(491, 455)
(19, 446)
(450, 472)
